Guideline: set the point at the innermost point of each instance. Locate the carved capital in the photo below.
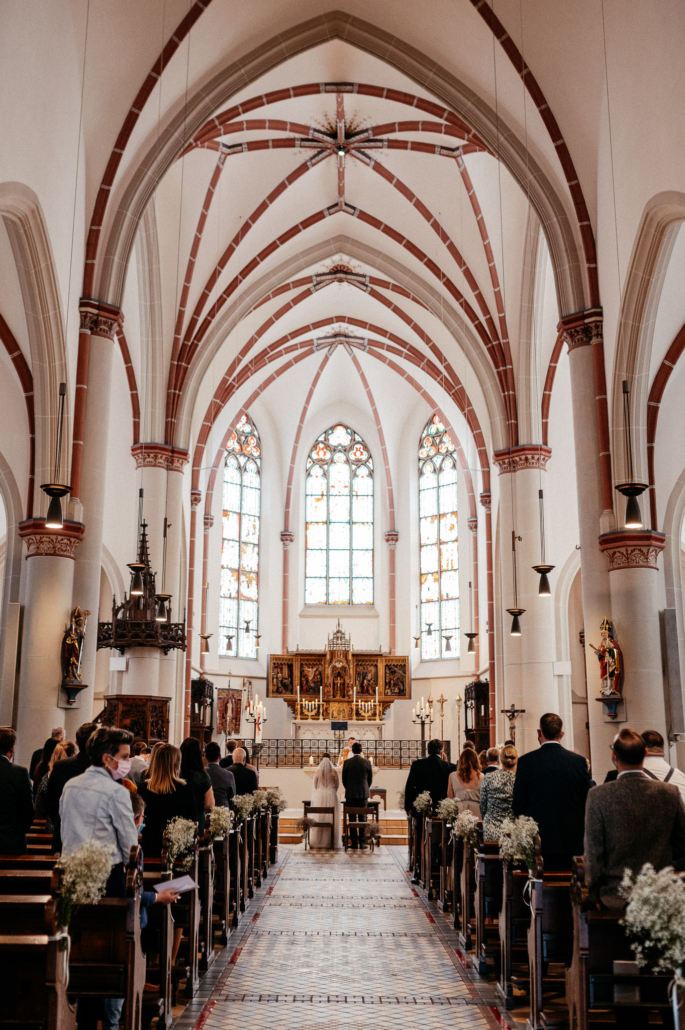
(472, 523)
(87, 317)
(208, 521)
(287, 538)
(195, 498)
(525, 456)
(582, 329)
(486, 501)
(391, 538)
(159, 456)
(42, 542)
(632, 549)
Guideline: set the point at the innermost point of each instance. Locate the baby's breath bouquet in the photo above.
(517, 840)
(84, 878)
(448, 809)
(466, 827)
(260, 799)
(400, 797)
(275, 798)
(180, 838)
(220, 822)
(244, 803)
(424, 802)
(655, 919)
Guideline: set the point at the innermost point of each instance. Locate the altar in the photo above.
(321, 729)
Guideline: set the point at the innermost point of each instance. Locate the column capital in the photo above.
(632, 548)
(472, 523)
(582, 329)
(42, 542)
(195, 498)
(486, 501)
(208, 521)
(287, 538)
(391, 538)
(525, 456)
(159, 456)
(99, 319)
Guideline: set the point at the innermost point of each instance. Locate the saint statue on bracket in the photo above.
(610, 662)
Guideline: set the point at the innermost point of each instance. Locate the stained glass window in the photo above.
(439, 544)
(239, 601)
(339, 520)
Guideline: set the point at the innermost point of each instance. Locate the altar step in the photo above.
(393, 829)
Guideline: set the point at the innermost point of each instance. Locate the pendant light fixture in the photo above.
(57, 490)
(447, 637)
(515, 612)
(471, 649)
(429, 629)
(163, 599)
(630, 490)
(138, 566)
(204, 646)
(544, 590)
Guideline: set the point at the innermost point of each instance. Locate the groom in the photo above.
(357, 774)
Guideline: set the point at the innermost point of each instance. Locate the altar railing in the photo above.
(295, 754)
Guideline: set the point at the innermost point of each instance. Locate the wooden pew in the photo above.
(416, 820)
(160, 930)
(186, 915)
(445, 887)
(488, 902)
(464, 870)
(245, 828)
(265, 818)
(514, 920)
(235, 872)
(206, 875)
(550, 945)
(430, 856)
(221, 921)
(34, 983)
(257, 865)
(273, 837)
(248, 828)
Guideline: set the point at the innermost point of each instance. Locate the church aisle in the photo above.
(345, 932)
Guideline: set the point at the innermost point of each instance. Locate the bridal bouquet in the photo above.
(275, 798)
(179, 837)
(84, 878)
(424, 802)
(448, 809)
(655, 919)
(517, 841)
(220, 822)
(260, 799)
(244, 804)
(466, 826)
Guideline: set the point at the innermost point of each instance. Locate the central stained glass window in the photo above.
(439, 543)
(339, 520)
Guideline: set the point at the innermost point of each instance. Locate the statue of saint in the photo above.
(72, 646)
(610, 661)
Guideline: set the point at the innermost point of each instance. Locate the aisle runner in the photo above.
(345, 932)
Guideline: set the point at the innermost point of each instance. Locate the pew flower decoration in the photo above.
(517, 840)
(260, 799)
(275, 798)
(179, 837)
(220, 822)
(424, 802)
(243, 805)
(372, 831)
(655, 919)
(466, 826)
(448, 809)
(84, 878)
(400, 798)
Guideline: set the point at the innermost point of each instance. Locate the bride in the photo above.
(325, 795)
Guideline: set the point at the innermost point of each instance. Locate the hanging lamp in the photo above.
(204, 646)
(471, 636)
(447, 637)
(515, 612)
(137, 567)
(544, 589)
(163, 599)
(630, 490)
(56, 490)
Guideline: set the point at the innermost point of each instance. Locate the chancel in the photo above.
(342, 513)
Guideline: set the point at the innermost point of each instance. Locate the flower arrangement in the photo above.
(400, 798)
(466, 826)
(260, 799)
(84, 878)
(372, 831)
(220, 822)
(179, 837)
(448, 809)
(655, 919)
(243, 804)
(424, 802)
(275, 798)
(517, 842)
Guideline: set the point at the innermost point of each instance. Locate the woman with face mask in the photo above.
(166, 795)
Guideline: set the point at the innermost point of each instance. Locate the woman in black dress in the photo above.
(193, 772)
(165, 795)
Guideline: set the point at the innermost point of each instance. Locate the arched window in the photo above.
(439, 543)
(339, 520)
(239, 603)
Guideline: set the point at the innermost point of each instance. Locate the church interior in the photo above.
(342, 361)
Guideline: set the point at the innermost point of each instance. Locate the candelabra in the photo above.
(255, 716)
(368, 709)
(310, 708)
(458, 704)
(423, 715)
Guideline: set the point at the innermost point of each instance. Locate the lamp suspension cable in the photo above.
(137, 567)
(56, 490)
(471, 636)
(630, 490)
(515, 612)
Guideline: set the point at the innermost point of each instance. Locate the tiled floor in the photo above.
(331, 934)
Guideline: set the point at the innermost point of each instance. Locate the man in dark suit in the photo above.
(629, 822)
(246, 781)
(551, 787)
(223, 781)
(431, 774)
(61, 773)
(16, 798)
(58, 735)
(357, 774)
(227, 762)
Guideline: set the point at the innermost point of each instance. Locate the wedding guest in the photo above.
(551, 787)
(245, 776)
(16, 799)
(166, 795)
(464, 784)
(140, 760)
(193, 771)
(357, 775)
(656, 766)
(58, 735)
(61, 774)
(431, 774)
(497, 792)
(223, 781)
(483, 760)
(634, 820)
(61, 752)
(227, 762)
(44, 763)
(492, 758)
(468, 744)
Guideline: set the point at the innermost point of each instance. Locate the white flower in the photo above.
(424, 802)
(260, 799)
(655, 917)
(466, 826)
(244, 803)
(84, 877)
(275, 798)
(448, 809)
(400, 797)
(180, 839)
(517, 840)
(220, 822)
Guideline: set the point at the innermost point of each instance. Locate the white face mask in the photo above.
(122, 770)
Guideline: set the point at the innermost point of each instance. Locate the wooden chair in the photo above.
(322, 824)
(348, 810)
(380, 792)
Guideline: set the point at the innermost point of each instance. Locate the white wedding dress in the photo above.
(325, 795)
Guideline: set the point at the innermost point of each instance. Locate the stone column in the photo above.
(391, 538)
(474, 612)
(580, 333)
(208, 522)
(48, 604)
(287, 538)
(101, 322)
(528, 659)
(195, 500)
(633, 558)
(486, 502)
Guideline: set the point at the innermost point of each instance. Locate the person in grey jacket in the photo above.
(629, 822)
(223, 781)
(357, 774)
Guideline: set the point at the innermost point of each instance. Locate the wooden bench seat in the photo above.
(488, 903)
(34, 983)
(514, 920)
